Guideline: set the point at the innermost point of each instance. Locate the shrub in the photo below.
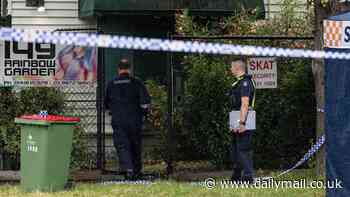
(207, 108)
(158, 120)
(158, 116)
(81, 158)
(33, 100)
(9, 134)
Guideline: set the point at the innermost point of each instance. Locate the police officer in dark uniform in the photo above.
(129, 102)
(242, 96)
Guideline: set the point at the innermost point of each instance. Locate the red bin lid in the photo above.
(50, 118)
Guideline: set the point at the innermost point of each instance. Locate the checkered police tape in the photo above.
(43, 114)
(320, 110)
(152, 44)
(314, 149)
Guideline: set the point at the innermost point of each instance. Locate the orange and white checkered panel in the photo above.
(332, 33)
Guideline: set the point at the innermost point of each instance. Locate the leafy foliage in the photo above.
(286, 120)
(286, 115)
(9, 134)
(33, 100)
(81, 158)
(157, 118)
(207, 108)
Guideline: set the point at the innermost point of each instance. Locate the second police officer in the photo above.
(129, 102)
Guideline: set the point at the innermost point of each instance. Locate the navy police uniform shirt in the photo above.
(128, 100)
(241, 88)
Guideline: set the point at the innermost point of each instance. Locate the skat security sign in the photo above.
(263, 71)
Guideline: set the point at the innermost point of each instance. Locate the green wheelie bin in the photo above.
(46, 143)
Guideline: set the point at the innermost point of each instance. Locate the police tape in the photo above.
(155, 44)
(43, 114)
(314, 149)
(320, 110)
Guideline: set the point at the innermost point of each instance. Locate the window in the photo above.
(34, 3)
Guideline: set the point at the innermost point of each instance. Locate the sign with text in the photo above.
(34, 64)
(263, 71)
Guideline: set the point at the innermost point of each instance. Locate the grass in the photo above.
(163, 189)
(170, 188)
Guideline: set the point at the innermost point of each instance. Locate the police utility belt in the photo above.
(250, 123)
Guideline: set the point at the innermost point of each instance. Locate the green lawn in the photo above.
(169, 188)
(163, 189)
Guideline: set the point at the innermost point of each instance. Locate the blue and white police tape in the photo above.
(43, 114)
(320, 110)
(306, 157)
(153, 44)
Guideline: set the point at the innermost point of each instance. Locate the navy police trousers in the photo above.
(127, 140)
(242, 156)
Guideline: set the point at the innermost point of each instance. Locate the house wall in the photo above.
(58, 14)
(273, 7)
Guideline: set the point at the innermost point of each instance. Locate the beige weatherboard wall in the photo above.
(58, 14)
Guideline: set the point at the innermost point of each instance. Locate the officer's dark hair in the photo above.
(124, 64)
